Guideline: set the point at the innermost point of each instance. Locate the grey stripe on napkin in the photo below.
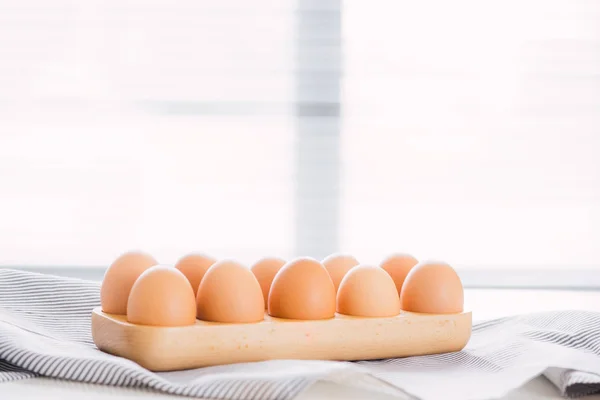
(45, 331)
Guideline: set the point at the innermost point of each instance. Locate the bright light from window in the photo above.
(152, 125)
(471, 132)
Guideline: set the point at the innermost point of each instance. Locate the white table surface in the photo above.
(485, 304)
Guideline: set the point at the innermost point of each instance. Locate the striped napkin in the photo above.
(45, 331)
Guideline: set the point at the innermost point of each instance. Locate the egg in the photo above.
(398, 266)
(302, 289)
(229, 292)
(120, 277)
(368, 291)
(265, 270)
(161, 296)
(194, 266)
(432, 287)
(338, 265)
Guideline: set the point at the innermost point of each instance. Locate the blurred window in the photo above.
(464, 131)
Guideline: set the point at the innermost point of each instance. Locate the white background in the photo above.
(469, 131)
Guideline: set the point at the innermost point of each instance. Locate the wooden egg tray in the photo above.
(341, 338)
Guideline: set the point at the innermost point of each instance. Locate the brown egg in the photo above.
(229, 292)
(338, 265)
(302, 289)
(432, 287)
(398, 266)
(265, 270)
(161, 296)
(194, 266)
(368, 291)
(119, 279)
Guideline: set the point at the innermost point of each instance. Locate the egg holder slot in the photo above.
(342, 338)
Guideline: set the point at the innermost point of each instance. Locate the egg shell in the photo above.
(161, 296)
(303, 290)
(229, 292)
(368, 291)
(120, 277)
(398, 266)
(337, 265)
(194, 266)
(432, 287)
(265, 270)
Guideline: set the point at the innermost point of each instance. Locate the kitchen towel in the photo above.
(45, 331)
